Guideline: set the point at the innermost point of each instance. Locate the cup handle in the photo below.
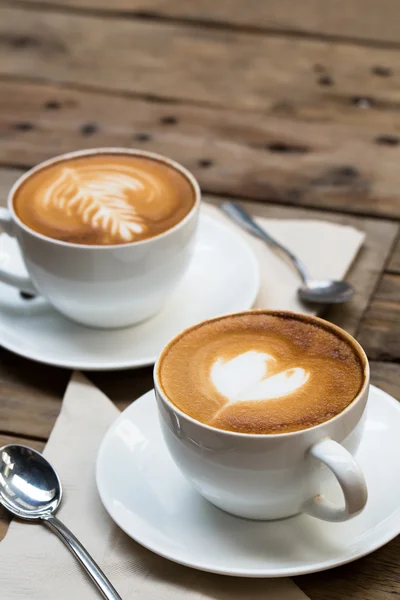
(22, 283)
(349, 477)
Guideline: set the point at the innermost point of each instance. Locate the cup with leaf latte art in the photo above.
(104, 199)
(106, 234)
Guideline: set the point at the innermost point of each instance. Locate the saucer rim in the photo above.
(237, 572)
(147, 361)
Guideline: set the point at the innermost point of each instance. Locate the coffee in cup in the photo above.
(259, 409)
(261, 372)
(106, 234)
(104, 199)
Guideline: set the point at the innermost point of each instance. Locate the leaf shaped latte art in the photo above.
(245, 377)
(100, 198)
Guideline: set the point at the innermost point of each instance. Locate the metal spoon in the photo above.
(30, 489)
(325, 291)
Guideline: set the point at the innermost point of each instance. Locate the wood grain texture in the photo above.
(375, 577)
(379, 331)
(4, 522)
(334, 162)
(386, 376)
(394, 263)
(8, 176)
(199, 64)
(356, 19)
(26, 441)
(30, 396)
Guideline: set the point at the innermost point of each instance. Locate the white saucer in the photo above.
(149, 499)
(222, 278)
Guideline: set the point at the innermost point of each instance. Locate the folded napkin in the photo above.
(327, 250)
(35, 565)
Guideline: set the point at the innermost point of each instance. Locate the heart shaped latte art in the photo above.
(245, 377)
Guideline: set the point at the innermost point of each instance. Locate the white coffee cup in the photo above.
(271, 476)
(102, 286)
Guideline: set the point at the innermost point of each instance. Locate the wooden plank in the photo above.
(379, 331)
(31, 393)
(4, 522)
(394, 262)
(8, 176)
(200, 64)
(123, 387)
(356, 19)
(375, 577)
(30, 396)
(26, 441)
(336, 162)
(386, 376)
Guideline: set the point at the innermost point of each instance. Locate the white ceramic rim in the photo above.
(326, 324)
(386, 537)
(104, 150)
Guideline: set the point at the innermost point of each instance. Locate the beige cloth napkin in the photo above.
(327, 250)
(35, 565)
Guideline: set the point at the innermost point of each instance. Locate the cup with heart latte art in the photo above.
(105, 234)
(261, 409)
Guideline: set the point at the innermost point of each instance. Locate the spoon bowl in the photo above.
(316, 291)
(29, 486)
(325, 291)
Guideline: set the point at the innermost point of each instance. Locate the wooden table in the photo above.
(293, 105)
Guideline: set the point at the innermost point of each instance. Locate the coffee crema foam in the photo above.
(104, 199)
(261, 372)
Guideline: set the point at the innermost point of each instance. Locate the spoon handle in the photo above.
(93, 570)
(242, 218)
